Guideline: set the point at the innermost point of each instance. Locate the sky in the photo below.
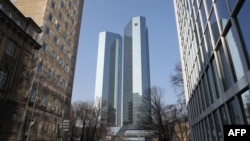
(113, 16)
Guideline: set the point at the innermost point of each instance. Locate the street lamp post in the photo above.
(31, 123)
(23, 117)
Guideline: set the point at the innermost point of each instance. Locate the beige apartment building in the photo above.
(46, 100)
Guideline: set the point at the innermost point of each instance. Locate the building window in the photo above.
(60, 15)
(245, 99)
(63, 84)
(10, 49)
(55, 40)
(195, 9)
(75, 49)
(204, 53)
(203, 15)
(50, 17)
(64, 36)
(202, 96)
(209, 83)
(70, 4)
(205, 91)
(204, 129)
(233, 47)
(47, 31)
(66, 25)
(234, 112)
(62, 4)
(45, 98)
(223, 114)
(44, 46)
(209, 134)
(68, 54)
(225, 70)
(58, 27)
(49, 74)
(66, 68)
(243, 23)
(57, 79)
(209, 42)
(71, 31)
(62, 48)
(218, 125)
(214, 28)
(73, 59)
(232, 4)
(53, 55)
(53, 103)
(69, 89)
(3, 77)
(199, 27)
(59, 103)
(69, 43)
(60, 62)
(53, 5)
(212, 128)
(71, 72)
(34, 92)
(40, 67)
(216, 79)
(223, 13)
(208, 6)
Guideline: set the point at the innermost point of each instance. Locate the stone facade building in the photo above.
(19, 48)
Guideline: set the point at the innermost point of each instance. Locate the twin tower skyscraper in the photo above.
(123, 75)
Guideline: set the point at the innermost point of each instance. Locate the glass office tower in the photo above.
(136, 75)
(215, 48)
(109, 77)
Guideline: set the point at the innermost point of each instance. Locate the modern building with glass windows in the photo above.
(215, 48)
(51, 91)
(136, 74)
(109, 78)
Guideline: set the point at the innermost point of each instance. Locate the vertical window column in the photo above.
(243, 24)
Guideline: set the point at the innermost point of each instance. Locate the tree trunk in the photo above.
(93, 134)
(82, 134)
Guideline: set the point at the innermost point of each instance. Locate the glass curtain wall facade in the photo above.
(109, 78)
(214, 47)
(136, 75)
(60, 21)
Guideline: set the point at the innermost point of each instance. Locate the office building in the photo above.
(214, 48)
(51, 91)
(19, 46)
(136, 74)
(109, 78)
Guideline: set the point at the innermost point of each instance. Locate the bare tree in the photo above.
(157, 109)
(161, 115)
(79, 118)
(181, 129)
(85, 121)
(176, 80)
(73, 122)
(169, 122)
